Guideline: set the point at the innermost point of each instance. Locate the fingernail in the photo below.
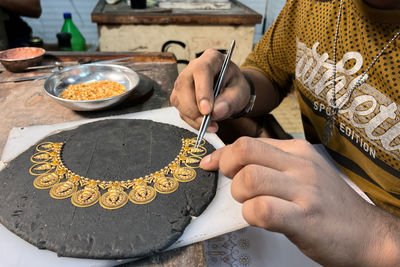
(205, 106)
(205, 161)
(221, 108)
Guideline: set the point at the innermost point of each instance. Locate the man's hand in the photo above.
(193, 91)
(287, 187)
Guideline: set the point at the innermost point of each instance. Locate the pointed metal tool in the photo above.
(217, 89)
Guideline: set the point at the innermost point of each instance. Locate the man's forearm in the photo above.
(384, 246)
(267, 97)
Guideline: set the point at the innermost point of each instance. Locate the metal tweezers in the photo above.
(217, 88)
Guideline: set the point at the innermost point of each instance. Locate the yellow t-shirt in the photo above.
(296, 53)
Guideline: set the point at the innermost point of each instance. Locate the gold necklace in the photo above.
(334, 106)
(84, 192)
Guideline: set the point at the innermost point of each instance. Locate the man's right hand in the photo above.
(193, 90)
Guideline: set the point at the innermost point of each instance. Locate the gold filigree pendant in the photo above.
(46, 180)
(142, 194)
(165, 185)
(114, 198)
(63, 190)
(184, 174)
(87, 196)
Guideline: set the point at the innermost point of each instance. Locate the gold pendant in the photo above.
(41, 168)
(114, 198)
(200, 151)
(47, 146)
(65, 189)
(46, 180)
(165, 185)
(184, 174)
(141, 193)
(41, 157)
(87, 196)
(192, 162)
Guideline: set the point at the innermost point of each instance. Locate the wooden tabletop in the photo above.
(121, 13)
(25, 104)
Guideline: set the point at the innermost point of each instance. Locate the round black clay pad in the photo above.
(105, 150)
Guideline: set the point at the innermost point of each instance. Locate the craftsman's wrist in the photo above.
(248, 108)
(378, 238)
(383, 245)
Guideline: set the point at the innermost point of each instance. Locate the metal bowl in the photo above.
(18, 59)
(59, 81)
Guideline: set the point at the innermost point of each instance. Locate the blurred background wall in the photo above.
(51, 21)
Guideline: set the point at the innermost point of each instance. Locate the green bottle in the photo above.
(77, 40)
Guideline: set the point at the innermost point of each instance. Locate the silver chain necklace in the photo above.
(334, 107)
